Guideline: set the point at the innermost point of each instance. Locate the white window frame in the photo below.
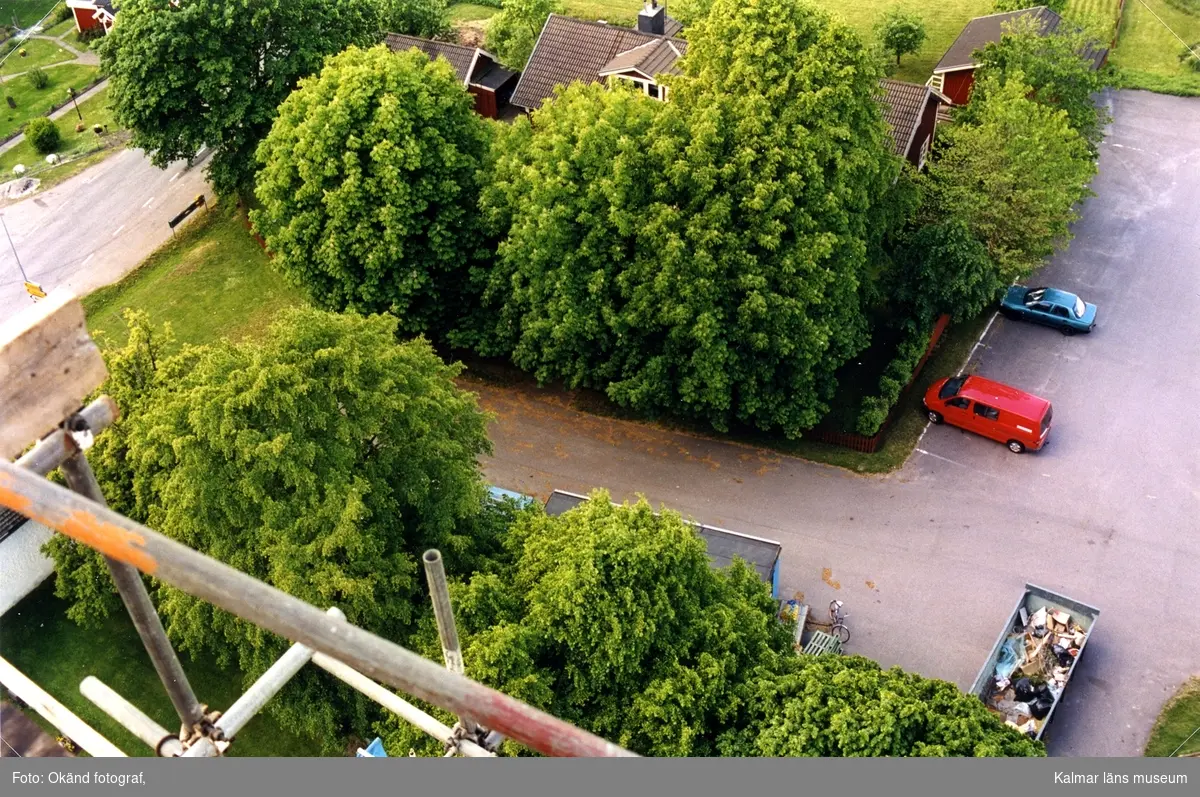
(644, 85)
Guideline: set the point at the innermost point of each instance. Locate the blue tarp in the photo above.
(499, 494)
(374, 750)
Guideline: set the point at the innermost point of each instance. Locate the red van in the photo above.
(979, 405)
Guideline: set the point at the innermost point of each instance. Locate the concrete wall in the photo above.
(23, 566)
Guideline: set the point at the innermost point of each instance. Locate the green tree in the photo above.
(900, 32)
(1055, 68)
(689, 12)
(512, 33)
(137, 368)
(43, 135)
(848, 706)
(425, 18)
(942, 268)
(612, 618)
(369, 186)
(701, 257)
(1014, 175)
(213, 72)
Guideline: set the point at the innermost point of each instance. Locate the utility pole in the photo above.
(71, 94)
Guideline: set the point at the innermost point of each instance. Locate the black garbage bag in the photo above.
(1040, 706)
(1065, 659)
(1024, 690)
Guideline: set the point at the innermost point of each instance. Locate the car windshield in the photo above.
(952, 386)
(1080, 307)
(1034, 295)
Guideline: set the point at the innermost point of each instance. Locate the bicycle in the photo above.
(837, 622)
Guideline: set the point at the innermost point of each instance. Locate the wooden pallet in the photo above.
(819, 642)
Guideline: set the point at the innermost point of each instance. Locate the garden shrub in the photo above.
(896, 376)
(39, 78)
(43, 135)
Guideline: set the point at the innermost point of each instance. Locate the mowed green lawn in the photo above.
(469, 12)
(1148, 55)
(38, 52)
(57, 654)
(33, 102)
(212, 281)
(1098, 16)
(25, 12)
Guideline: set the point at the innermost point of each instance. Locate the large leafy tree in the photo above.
(834, 706)
(425, 18)
(212, 72)
(702, 257)
(612, 619)
(513, 32)
(900, 32)
(323, 460)
(369, 186)
(1055, 68)
(1013, 174)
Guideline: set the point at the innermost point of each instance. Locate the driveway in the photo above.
(94, 228)
(931, 559)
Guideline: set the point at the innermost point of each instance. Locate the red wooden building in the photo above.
(955, 73)
(481, 74)
(93, 15)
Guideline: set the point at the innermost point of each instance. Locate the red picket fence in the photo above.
(869, 445)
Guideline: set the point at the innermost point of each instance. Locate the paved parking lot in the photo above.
(930, 560)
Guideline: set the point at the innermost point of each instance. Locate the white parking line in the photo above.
(978, 343)
(148, 201)
(118, 230)
(176, 177)
(86, 259)
(938, 456)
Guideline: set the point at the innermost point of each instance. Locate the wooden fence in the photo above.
(869, 445)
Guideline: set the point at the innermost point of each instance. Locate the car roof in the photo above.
(1003, 397)
(1055, 296)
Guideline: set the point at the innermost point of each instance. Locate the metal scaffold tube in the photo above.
(443, 615)
(56, 713)
(122, 539)
(161, 741)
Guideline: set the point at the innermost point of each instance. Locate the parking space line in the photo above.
(939, 456)
(117, 231)
(978, 343)
(148, 201)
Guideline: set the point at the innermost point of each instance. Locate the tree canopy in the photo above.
(701, 257)
(369, 186)
(1054, 66)
(612, 619)
(1013, 174)
(900, 32)
(513, 32)
(213, 72)
(425, 18)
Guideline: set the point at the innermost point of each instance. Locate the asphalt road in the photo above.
(94, 228)
(931, 559)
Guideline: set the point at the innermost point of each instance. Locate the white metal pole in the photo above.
(161, 741)
(396, 704)
(57, 714)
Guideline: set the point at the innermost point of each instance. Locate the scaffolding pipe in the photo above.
(199, 575)
(137, 601)
(397, 705)
(267, 686)
(161, 741)
(443, 614)
(56, 713)
(53, 449)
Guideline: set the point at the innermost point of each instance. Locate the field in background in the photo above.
(1147, 53)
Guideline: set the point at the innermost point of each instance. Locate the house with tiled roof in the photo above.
(955, 73)
(911, 112)
(481, 74)
(93, 15)
(571, 49)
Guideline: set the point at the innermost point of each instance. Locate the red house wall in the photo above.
(924, 130)
(485, 102)
(85, 20)
(958, 85)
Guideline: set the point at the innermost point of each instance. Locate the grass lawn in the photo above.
(61, 28)
(1147, 55)
(25, 12)
(944, 20)
(38, 52)
(33, 102)
(469, 12)
(211, 281)
(95, 110)
(615, 11)
(1098, 16)
(1179, 719)
(57, 654)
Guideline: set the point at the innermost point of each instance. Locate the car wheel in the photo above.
(1068, 331)
(934, 417)
(1016, 446)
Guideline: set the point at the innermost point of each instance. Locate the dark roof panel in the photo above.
(573, 49)
(460, 57)
(902, 105)
(982, 31)
(493, 76)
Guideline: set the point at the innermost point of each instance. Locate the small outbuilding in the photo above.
(481, 74)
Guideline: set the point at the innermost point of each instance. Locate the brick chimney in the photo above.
(652, 19)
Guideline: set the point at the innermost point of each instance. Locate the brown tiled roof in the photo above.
(902, 104)
(573, 49)
(655, 57)
(982, 31)
(459, 57)
(671, 27)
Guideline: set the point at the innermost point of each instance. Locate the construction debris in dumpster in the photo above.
(1039, 656)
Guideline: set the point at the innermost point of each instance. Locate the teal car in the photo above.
(1064, 311)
